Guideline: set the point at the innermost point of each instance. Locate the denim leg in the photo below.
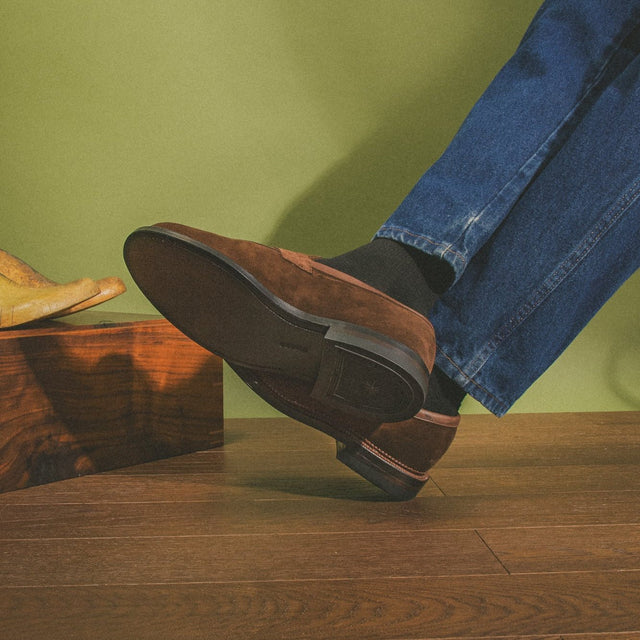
(570, 240)
(567, 57)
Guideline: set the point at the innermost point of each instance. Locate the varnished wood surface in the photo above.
(530, 528)
(98, 391)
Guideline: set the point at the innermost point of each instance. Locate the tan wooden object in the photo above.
(20, 304)
(100, 391)
(28, 279)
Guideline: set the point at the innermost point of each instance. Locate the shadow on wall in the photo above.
(622, 366)
(345, 207)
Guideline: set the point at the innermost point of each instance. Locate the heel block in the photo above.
(368, 373)
(380, 473)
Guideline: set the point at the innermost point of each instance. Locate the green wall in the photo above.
(295, 122)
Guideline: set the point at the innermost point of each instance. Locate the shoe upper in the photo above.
(318, 289)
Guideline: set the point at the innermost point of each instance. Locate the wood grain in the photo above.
(311, 514)
(81, 398)
(579, 548)
(408, 608)
(253, 485)
(577, 478)
(270, 538)
(553, 439)
(250, 557)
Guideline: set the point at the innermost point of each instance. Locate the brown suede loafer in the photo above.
(393, 456)
(280, 312)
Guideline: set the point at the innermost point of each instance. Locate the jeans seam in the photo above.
(560, 273)
(525, 171)
(445, 248)
(470, 379)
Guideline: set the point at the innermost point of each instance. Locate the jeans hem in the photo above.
(470, 385)
(425, 244)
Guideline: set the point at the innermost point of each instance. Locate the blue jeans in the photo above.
(536, 202)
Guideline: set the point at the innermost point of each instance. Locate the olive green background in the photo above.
(301, 123)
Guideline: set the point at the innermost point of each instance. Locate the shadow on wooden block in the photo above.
(101, 391)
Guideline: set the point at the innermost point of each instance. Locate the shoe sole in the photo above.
(352, 449)
(222, 307)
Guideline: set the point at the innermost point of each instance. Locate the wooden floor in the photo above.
(530, 528)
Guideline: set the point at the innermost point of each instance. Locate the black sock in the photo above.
(443, 395)
(414, 278)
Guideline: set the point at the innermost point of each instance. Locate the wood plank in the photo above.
(238, 558)
(235, 460)
(515, 441)
(592, 548)
(253, 541)
(222, 460)
(288, 485)
(274, 434)
(536, 479)
(507, 449)
(607, 635)
(535, 439)
(518, 440)
(546, 440)
(280, 473)
(315, 515)
(557, 427)
(407, 608)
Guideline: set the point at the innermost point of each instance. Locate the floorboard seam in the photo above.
(437, 486)
(493, 553)
(361, 579)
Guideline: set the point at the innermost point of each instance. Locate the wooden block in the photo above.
(99, 391)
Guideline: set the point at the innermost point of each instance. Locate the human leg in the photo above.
(569, 242)
(568, 56)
